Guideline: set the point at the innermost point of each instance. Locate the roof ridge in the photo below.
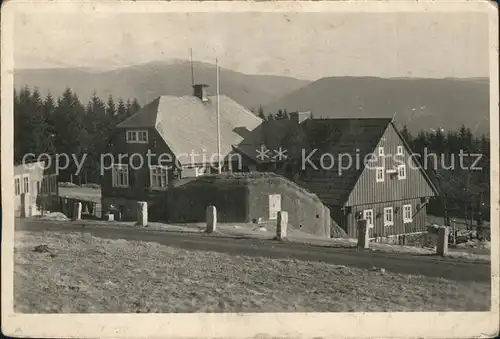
(141, 111)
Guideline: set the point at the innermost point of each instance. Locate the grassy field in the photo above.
(81, 273)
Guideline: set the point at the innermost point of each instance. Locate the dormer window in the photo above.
(138, 137)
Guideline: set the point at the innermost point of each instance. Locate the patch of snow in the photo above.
(57, 216)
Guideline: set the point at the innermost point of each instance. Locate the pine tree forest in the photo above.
(55, 125)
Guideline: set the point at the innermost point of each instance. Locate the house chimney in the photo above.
(200, 91)
(299, 117)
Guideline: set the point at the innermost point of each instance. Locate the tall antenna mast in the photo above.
(191, 63)
(219, 167)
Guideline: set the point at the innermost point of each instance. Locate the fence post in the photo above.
(25, 205)
(442, 244)
(142, 213)
(282, 225)
(211, 219)
(363, 234)
(77, 211)
(454, 232)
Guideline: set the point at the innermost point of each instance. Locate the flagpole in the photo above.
(218, 119)
(191, 64)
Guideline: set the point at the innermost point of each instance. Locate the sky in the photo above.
(302, 45)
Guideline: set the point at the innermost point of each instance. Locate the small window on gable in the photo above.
(137, 137)
(388, 216)
(401, 172)
(143, 136)
(400, 150)
(379, 174)
(381, 152)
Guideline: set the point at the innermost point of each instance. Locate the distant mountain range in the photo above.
(417, 103)
(147, 81)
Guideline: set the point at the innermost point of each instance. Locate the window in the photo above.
(380, 174)
(17, 185)
(120, 175)
(368, 216)
(400, 150)
(143, 136)
(26, 183)
(380, 151)
(407, 216)
(158, 176)
(401, 172)
(137, 137)
(54, 183)
(388, 216)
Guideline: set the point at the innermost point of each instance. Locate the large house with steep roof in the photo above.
(180, 136)
(359, 168)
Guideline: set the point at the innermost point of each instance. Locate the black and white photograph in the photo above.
(293, 169)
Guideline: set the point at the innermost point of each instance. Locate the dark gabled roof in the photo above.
(344, 136)
(187, 125)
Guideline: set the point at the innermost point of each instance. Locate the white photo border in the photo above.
(198, 325)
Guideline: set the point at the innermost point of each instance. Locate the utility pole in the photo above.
(191, 64)
(219, 167)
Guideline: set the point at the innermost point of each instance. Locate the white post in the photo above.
(282, 225)
(142, 213)
(442, 244)
(77, 211)
(25, 205)
(211, 219)
(454, 232)
(363, 234)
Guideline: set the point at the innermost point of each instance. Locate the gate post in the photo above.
(442, 244)
(142, 213)
(211, 219)
(25, 205)
(77, 211)
(363, 234)
(282, 225)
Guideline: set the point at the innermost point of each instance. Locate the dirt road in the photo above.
(432, 266)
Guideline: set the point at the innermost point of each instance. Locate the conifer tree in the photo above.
(121, 111)
(260, 113)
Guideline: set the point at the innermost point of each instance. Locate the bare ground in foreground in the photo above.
(81, 273)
